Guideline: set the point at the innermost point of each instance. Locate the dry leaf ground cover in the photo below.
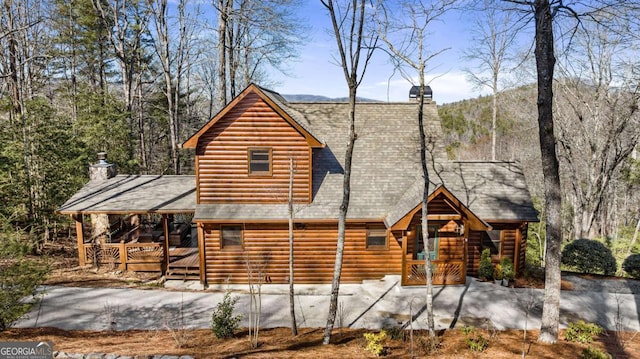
(347, 343)
(278, 342)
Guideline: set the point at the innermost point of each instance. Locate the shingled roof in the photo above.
(386, 179)
(134, 194)
(386, 175)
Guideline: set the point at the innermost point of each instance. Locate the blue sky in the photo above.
(316, 71)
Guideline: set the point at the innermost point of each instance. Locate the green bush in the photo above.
(19, 283)
(508, 272)
(395, 333)
(474, 340)
(19, 277)
(223, 322)
(374, 342)
(594, 353)
(486, 268)
(589, 256)
(631, 265)
(582, 332)
(477, 343)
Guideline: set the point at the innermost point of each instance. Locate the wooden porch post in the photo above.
(405, 238)
(201, 252)
(465, 239)
(123, 256)
(165, 229)
(516, 253)
(80, 237)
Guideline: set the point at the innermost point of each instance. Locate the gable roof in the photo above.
(275, 101)
(400, 219)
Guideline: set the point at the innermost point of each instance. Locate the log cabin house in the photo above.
(237, 200)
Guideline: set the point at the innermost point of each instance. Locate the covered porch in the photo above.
(137, 223)
(449, 223)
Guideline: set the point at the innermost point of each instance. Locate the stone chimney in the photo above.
(102, 170)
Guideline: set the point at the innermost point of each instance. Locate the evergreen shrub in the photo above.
(631, 265)
(223, 322)
(589, 256)
(486, 268)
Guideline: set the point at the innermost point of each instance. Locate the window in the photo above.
(231, 236)
(433, 243)
(260, 161)
(493, 241)
(376, 238)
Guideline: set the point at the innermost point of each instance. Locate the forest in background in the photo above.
(134, 79)
(466, 125)
(131, 78)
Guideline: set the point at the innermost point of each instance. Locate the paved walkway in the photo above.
(374, 304)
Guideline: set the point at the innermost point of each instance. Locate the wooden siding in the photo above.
(474, 246)
(314, 251)
(522, 248)
(222, 173)
(510, 234)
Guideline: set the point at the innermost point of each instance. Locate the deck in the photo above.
(184, 263)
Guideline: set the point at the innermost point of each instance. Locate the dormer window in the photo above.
(259, 161)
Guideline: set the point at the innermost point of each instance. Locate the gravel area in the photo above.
(587, 282)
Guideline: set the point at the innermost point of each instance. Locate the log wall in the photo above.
(222, 172)
(511, 234)
(450, 244)
(267, 246)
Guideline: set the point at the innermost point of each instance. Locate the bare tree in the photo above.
(348, 21)
(160, 16)
(598, 119)
(292, 302)
(256, 275)
(409, 50)
(544, 12)
(224, 9)
(256, 34)
(494, 35)
(126, 23)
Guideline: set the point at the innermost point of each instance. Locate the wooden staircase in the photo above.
(184, 264)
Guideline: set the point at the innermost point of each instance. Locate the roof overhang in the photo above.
(192, 141)
(475, 223)
(134, 194)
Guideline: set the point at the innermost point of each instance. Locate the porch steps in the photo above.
(185, 267)
(183, 273)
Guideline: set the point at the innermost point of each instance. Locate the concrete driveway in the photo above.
(373, 305)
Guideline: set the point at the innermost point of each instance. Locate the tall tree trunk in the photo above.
(349, 27)
(342, 218)
(222, 51)
(234, 23)
(17, 105)
(494, 116)
(425, 211)
(162, 31)
(292, 302)
(141, 129)
(545, 62)
(634, 239)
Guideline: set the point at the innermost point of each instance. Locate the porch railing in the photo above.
(443, 272)
(125, 256)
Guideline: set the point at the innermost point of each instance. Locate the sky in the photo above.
(316, 71)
